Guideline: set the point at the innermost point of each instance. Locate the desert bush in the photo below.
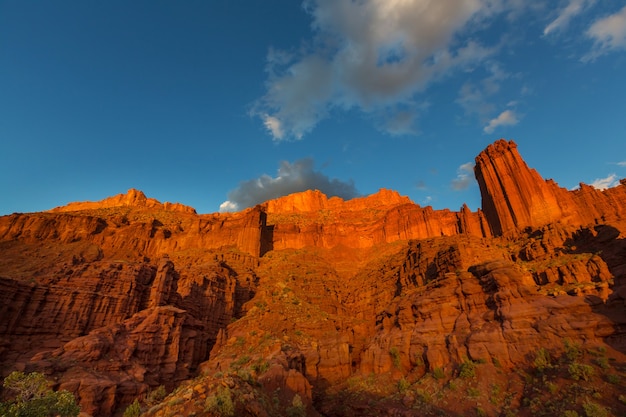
(595, 410)
(439, 373)
(34, 398)
(156, 395)
(572, 350)
(542, 360)
(602, 362)
(297, 408)
(260, 366)
(473, 392)
(133, 410)
(467, 369)
(395, 356)
(221, 403)
(613, 379)
(240, 361)
(403, 385)
(580, 371)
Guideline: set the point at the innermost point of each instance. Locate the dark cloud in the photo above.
(291, 178)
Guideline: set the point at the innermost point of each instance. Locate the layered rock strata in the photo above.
(303, 294)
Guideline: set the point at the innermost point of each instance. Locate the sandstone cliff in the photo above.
(515, 197)
(307, 304)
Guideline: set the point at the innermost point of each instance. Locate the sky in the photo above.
(223, 104)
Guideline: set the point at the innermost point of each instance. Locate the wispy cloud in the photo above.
(603, 183)
(291, 178)
(506, 118)
(371, 55)
(622, 164)
(608, 34)
(465, 176)
(566, 14)
(474, 97)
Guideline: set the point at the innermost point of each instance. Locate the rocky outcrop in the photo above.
(315, 200)
(364, 223)
(133, 198)
(303, 302)
(155, 346)
(515, 197)
(110, 331)
(138, 232)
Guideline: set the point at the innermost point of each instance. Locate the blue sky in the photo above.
(222, 104)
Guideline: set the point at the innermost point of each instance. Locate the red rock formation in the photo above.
(306, 294)
(515, 196)
(314, 200)
(133, 198)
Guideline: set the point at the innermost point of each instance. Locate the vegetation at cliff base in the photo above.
(34, 398)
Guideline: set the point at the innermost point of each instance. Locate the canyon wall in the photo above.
(515, 197)
(112, 299)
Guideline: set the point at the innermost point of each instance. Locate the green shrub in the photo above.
(570, 413)
(221, 403)
(133, 410)
(595, 410)
(613, 379)
(602, 362)
(403, 385)
(572, 350)
(580, 371)
(260, 366)
(241, 361)
(33, 398)
(542, 360)
(473, 392)
(395, 356)
(439, 373)
(156, 395)
(467, 369)
(494, 396)
(297, 408)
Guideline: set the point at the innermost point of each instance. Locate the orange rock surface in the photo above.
(515, 197)
(322, 298)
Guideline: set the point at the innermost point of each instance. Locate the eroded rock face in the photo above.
(303, 294)
(515, 197)
(133, 198)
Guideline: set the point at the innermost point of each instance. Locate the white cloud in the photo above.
(608, 33)
(604, 183)
(274, 126)
(622, 164)
(373, 56)
(465, 176)
(573, 8)
(228, 206)
(291, 178)
(506, 118)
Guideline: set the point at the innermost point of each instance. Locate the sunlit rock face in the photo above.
(307, 294)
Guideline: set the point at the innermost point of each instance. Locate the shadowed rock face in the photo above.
(306, 294)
